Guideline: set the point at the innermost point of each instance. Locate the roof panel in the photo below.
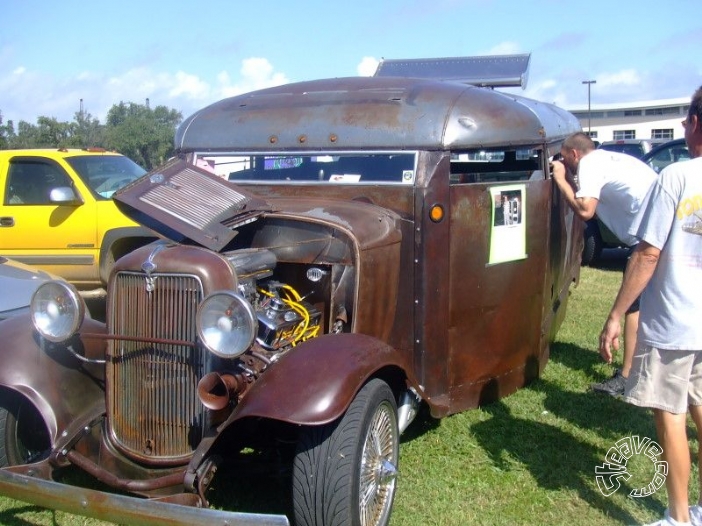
(490, 70)
(372, 113)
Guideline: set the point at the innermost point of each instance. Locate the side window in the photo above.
(496, 166)
(667, 156)
(30, 183)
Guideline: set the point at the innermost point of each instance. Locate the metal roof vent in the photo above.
(494, 71)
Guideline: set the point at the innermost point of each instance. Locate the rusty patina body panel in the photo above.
(358, 228)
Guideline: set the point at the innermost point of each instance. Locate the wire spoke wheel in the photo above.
(378, 467)
(344, 473)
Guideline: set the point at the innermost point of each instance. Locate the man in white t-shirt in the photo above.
(613, 185)
(665, 269)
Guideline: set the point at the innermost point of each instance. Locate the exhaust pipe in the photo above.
(215, 390)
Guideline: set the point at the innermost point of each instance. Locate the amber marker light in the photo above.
(436, 213)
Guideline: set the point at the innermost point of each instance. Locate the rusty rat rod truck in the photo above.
(334, 253)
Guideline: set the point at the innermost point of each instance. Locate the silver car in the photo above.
(18, 282)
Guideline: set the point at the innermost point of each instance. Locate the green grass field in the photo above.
(528, 459)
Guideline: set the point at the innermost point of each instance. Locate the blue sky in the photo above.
(186, 55)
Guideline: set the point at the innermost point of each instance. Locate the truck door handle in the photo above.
(7, 221)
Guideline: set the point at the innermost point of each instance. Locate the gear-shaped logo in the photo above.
(610, 474)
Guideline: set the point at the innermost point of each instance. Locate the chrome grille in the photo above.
(153, 409)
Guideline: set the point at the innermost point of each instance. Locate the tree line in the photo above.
(143, 134)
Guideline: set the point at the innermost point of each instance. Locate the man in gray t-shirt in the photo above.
(666, 270)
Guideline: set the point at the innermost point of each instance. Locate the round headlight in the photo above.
(57, 310)
(226, 324)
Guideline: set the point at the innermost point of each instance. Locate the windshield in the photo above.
(105, 174)
(335, 168)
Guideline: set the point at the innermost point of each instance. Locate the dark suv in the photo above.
(667, 153)
(352, 248)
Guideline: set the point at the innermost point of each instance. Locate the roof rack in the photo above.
(494, 71)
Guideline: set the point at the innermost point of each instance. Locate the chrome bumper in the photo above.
(120, 509)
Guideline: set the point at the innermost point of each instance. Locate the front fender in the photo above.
(131, 237)
(57, 383)
(315, 382)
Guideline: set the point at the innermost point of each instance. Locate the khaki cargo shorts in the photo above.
(664, 379)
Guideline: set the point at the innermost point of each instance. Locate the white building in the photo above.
(658, 119)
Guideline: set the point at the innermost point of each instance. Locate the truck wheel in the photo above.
(23, 436)
(344, 473)
(592, 247)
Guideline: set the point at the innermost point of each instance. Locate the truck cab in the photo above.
(56, 211)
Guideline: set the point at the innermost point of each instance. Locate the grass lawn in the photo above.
(528, 459)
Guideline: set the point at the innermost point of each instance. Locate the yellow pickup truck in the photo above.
(57, 213)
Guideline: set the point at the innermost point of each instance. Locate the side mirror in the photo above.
(64, 195)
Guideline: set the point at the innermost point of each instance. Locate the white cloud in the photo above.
(256, 73)
(503, 48)
(547, 90)
(23, 93)
(260, 71)
(135, 84)
(28, 95)
(627, 77)
(189, 86)
(367, 66)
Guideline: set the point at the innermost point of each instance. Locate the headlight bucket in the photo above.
(57, 310)
(226, 324)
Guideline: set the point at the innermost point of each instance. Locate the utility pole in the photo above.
(589, 112)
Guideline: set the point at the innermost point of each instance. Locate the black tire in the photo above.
(592, 248)
(24, 437)
(344, 473)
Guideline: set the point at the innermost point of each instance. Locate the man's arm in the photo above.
(638, 273)
(584, 207)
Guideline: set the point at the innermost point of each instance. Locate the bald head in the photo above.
(579, 141)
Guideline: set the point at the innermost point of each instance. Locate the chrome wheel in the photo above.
(344, 473)
(378, 467)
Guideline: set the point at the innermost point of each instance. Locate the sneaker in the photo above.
(696, 515)
(667, 520)
(613, 387)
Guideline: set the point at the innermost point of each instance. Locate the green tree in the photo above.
(7, 133)
(86, 131)
(141, 133)
(135, 130)
(52, 133)
(27, 136)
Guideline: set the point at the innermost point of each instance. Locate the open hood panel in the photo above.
(181, 201)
